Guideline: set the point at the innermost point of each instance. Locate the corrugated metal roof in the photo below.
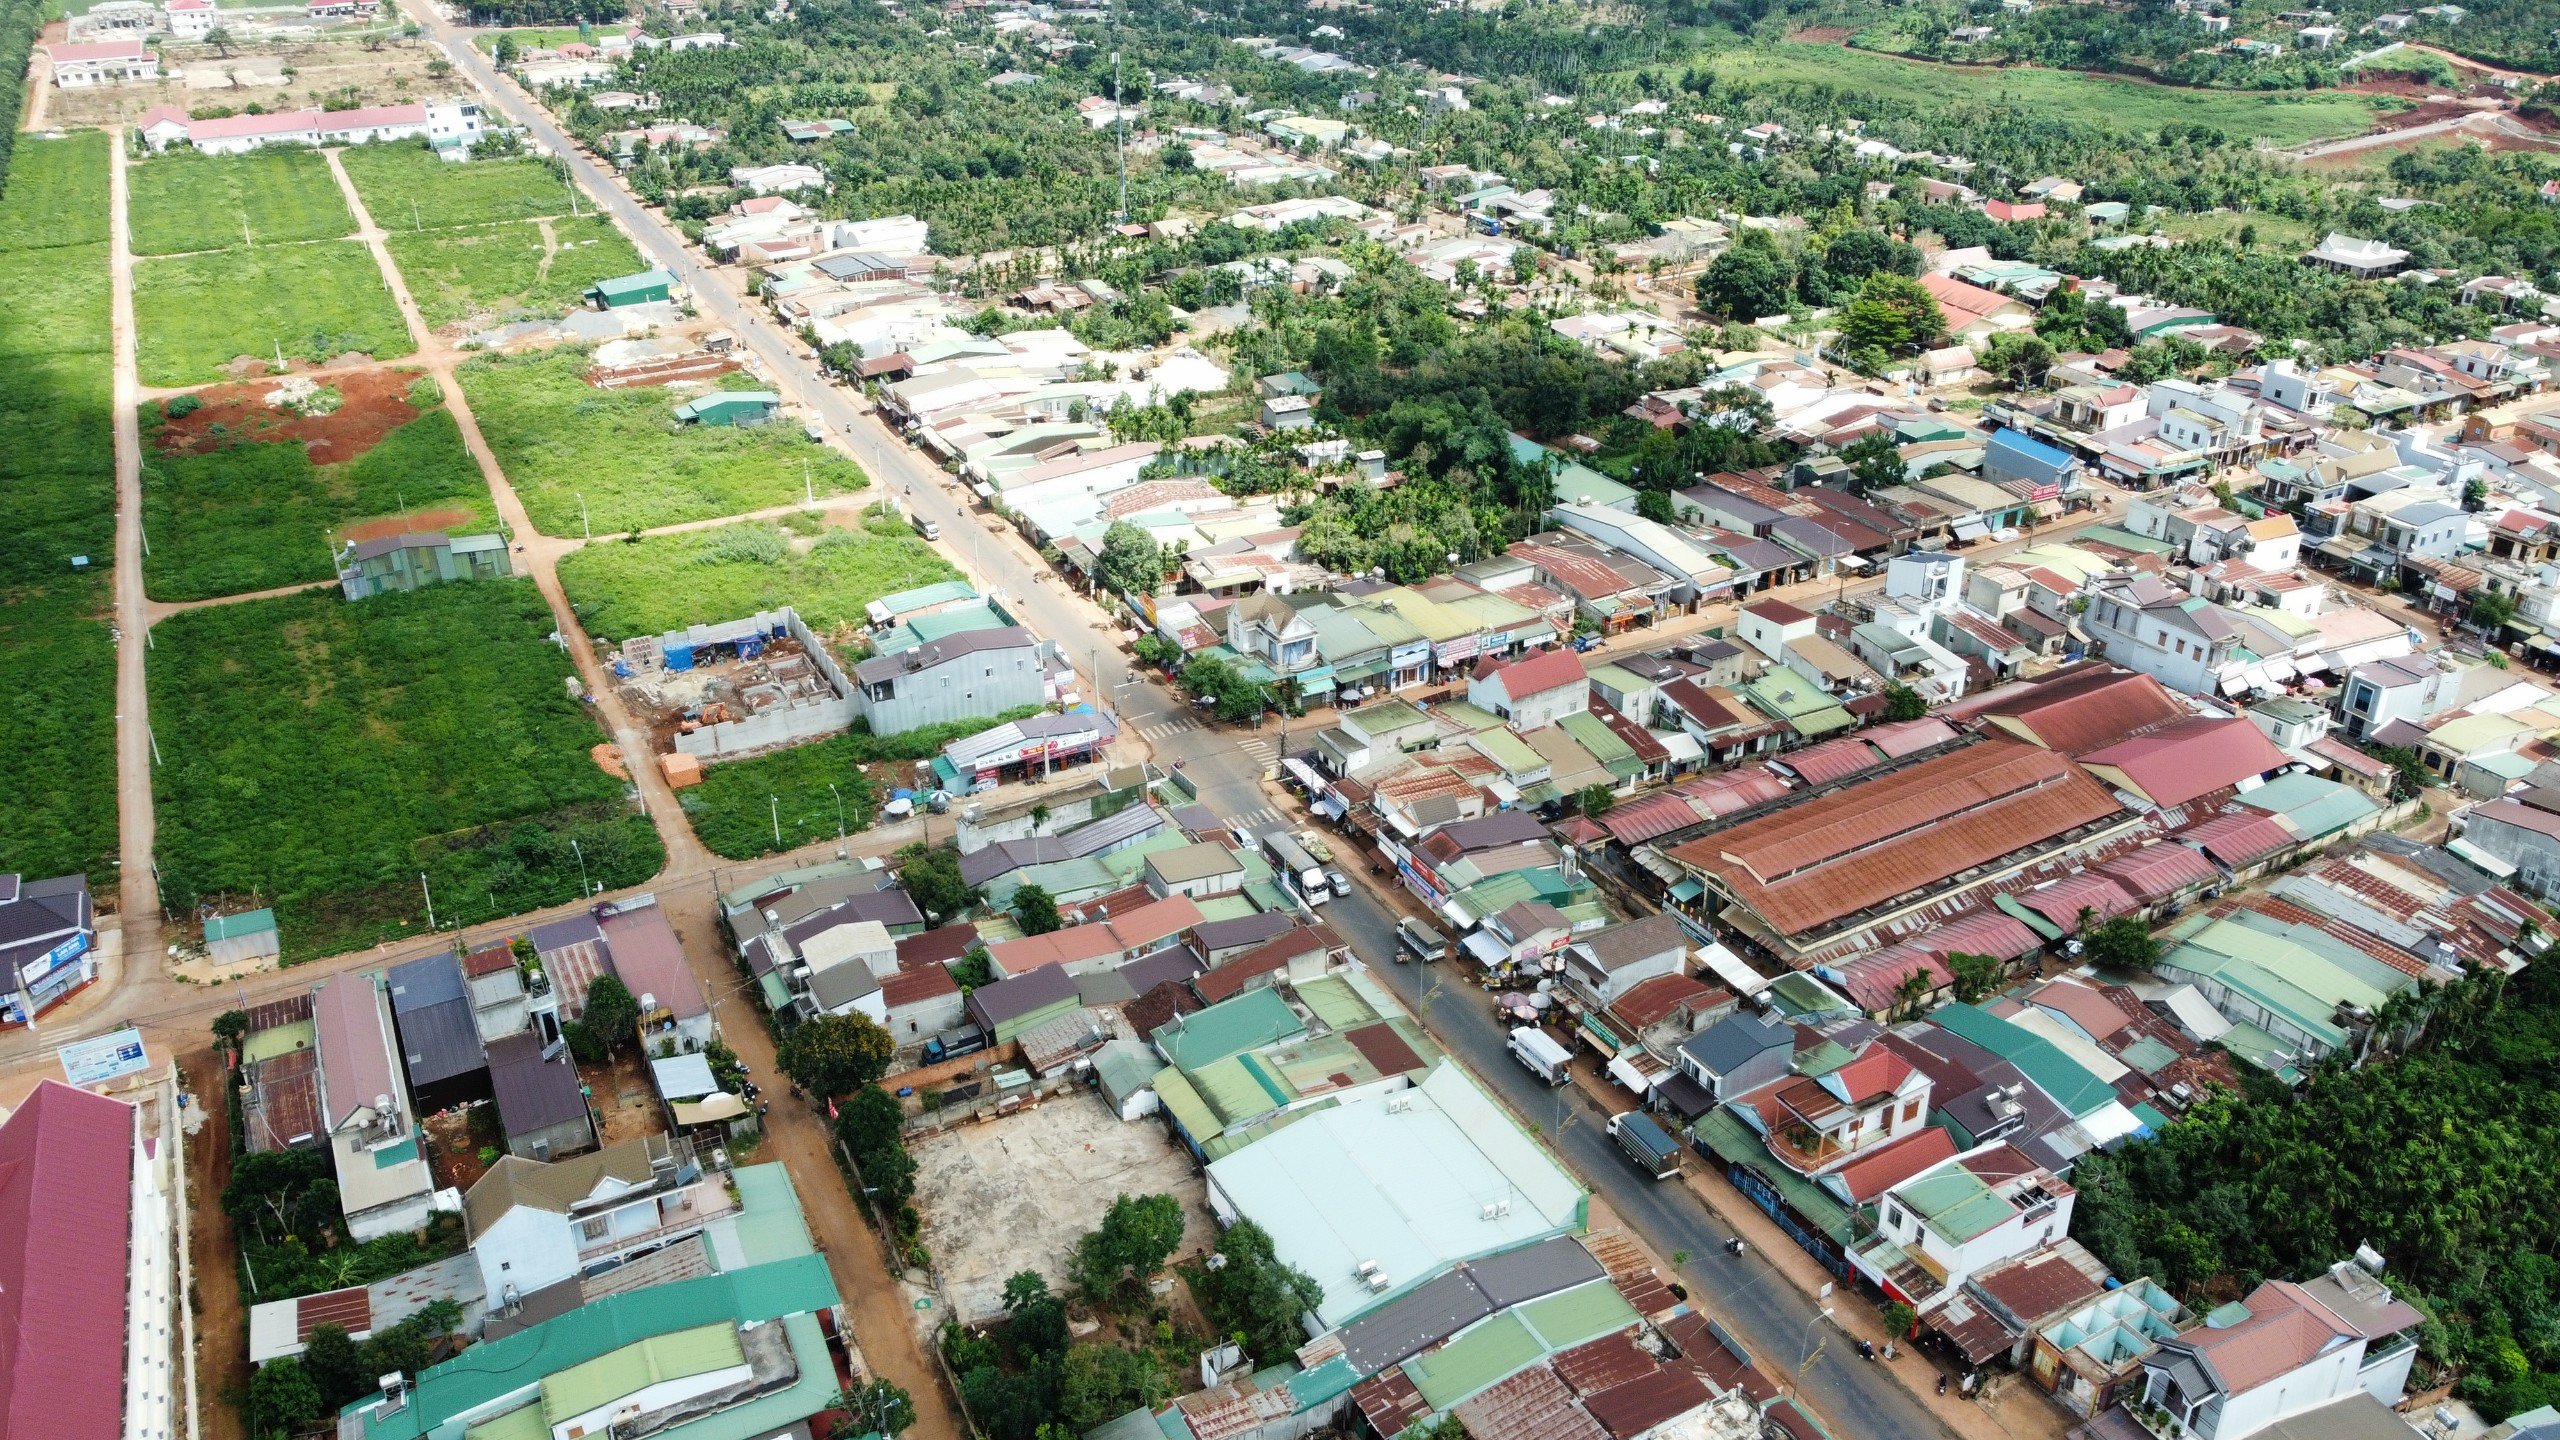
(66, 1197)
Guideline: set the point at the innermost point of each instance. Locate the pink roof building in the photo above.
(66, 1217)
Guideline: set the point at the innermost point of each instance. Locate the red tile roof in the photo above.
(2062, 901)
(1534, 674)
(66, 1218)
(1637, 1406)
(1777, 612)
(1888, 1165)
(1963, 303)
(1810, 864)
(2156, 872)
(938, 946)
(924, 982)
(1648, 1002)
(2240, 840)
(2185, 759)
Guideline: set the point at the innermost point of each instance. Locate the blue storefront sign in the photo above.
(88, 1062)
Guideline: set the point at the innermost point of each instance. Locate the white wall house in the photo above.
(535, 1223)
(2301, 1347)
(102, 62)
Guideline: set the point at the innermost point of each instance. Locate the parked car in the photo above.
(1340, 882)
(926, 528)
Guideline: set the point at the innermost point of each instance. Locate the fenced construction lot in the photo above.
(57, 466)
(826, 572)
(197, 314)
(183, 201)
(518, 266)
(559, 438)
(228, 516)
(354, 763)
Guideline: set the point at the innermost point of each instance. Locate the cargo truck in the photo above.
(1546, 1059)
(1647, 1144)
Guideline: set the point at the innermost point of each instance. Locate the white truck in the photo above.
(1539, 1052)
(1291, 859)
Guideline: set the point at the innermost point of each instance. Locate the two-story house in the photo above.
(536, 1223)
(1958, 1219)
(2378, 692)
(1608, 963)
(1268, 629)
(2181, 641)
(1532, 692)
(1737, 1054)
(971, 673)
(2217, 419)
(2291, 1349)
(1815, 1123)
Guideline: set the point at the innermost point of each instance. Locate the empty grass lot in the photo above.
(198, 313)
(57, 192)
(57, 468)
(406, 187)
(558, 438)
(256, 516)
(320, 755)
(2278, 118)
(500, 270)
(183, 201)
(663, 582)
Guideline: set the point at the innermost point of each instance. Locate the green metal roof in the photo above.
(1615, 755)
(640, 284)
(1955, 1203)
(680, 1355)
(1473, 717)
(521, 1424)
(1585, 1312)
(1723, 1133)
(1225, 907)
(232, 927)
(1336, 1003)
(2055, 1073)
(490, 1372)
(769, 1222)
(1240, 1089)
(1230, 1027)
(923, 597)
(1797, 995)
(925, 629)
(2124, 539)
(1511, 752)
(2313, 807)
(1475, 1361)
(1183, 1102)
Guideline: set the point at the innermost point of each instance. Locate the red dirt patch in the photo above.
(375, 403)
(418, 520)
(2427, 114)
(1822, 35)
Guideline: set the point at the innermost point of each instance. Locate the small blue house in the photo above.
(2014, 455)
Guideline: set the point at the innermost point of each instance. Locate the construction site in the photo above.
(717, 692)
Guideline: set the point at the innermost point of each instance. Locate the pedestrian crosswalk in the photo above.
(1163, 728)
(1259, 748)
(1256, 818)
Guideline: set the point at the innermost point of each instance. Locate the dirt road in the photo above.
(138, 895)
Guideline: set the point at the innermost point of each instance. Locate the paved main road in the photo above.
(1226, 768)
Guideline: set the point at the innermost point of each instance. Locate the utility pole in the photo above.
(777, 820)
(1121, 113)
(431, 899)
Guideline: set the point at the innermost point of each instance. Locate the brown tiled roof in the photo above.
(2034, 1286)
(1631, 1270)
(1381, 1046)
(275, 1014)
(2084, 709)
(1390, 1401)
(921, 983)
(1598, 1364)
(488, 960)
(1531, 1405)
(1154, 1010)
(1863, 844)
(1638, 1405)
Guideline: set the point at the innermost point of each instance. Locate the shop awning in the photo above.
(1689, 889)
(1329, 807)
(1973, 530)
(1626, 1072)
(1728, 967)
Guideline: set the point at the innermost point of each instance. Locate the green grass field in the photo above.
(197, 313)
(647, 587)
(559, 438)
(183, 201)
(56, 193)
(407, 188)
(57, 468)
(2274, 232)
(254, 516)
(2281, 118)
(320, 755)
(530, 37)
(496, 270)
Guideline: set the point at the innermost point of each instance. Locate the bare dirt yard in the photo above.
(1017, 1192)
(372, 403)
(274, 76)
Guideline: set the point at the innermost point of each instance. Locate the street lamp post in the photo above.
(584, 889)
(1807, 1362)
(832, 790)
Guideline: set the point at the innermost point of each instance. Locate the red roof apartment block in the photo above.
(66, 1221)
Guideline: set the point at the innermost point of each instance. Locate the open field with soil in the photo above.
(339, 68)
(2277, 118)
(827, 572)
(559, 438)
(406, 187)
(325, 757)
(57, 466)
(525, 266)
(259, 514)
(183, 201)
(198, 314)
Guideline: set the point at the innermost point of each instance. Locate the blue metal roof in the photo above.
(2023, 444)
